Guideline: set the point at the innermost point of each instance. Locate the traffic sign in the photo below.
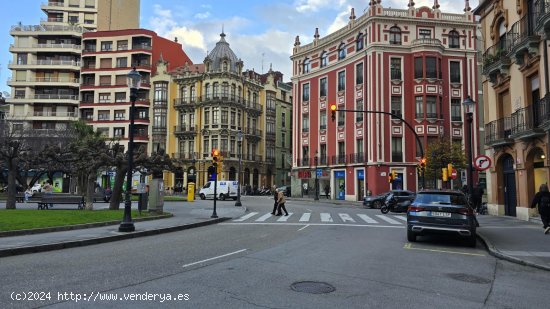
(482, 162)
(319, 172)
(454, 174)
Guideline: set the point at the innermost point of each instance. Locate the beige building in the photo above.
(515, 92)
(47, 59)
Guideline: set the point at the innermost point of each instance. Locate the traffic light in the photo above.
(215, 156)
(423, 163)
(444, 174)
(390, 179)
(333, 111)
(394, 175)
(449, 169)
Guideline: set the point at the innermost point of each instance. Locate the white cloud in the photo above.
(202, 15)
(340, 21)
(315, 5)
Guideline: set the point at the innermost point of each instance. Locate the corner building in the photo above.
(419, 63)
(516, 89)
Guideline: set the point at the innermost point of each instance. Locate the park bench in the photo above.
(35, 198)
(46, 200)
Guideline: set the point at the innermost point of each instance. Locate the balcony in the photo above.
(341, 159)
(42, 81)
(523, 39)
(427, 43)
(185, 130)
(526, 122)
(542, 21)
(357, 158)
(252, 132)
(159, 130)
(50, 29)
(396, 73)
(498, 132)
(49, 97)
(186, 155)
(496, 60)
(143, 46)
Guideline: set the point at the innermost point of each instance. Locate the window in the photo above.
(306, 65)
(341, 80)
(122, 62)
(283, 139)
(456, 114)
(395, 67)
(207, 91)
(103, 115)
(359, 42)
(161, 93)
(395, 35)
(341, 152)
(216, 90)
(324, 59)
(206, 116)
(122, 45)
(359, 106)
(104, 98)
(107, 46)
(193, 94)
(418, 69)
(424, 34)
(225, 90)
(305, 124)
(21, 58)
(431, 69)
(106, 63)
(396, 149)
(359, 147)
(396, 106)
(118, 132)
(431, 110)
(120, 114)
(341, 51)
(120, 97)
(216, 115)
(454, 39)
(323, 87)
(283, 120)
(455, 71)
(341, 118)
(323, 120)
(419, 107)
(323, 154)
(225, 116)
(305, 92)
(359, 74)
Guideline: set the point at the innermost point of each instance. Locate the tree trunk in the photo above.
(117, 190)
(12, 188)
(90, 187)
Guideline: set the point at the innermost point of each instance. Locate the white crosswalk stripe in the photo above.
(388, 219)
(325, 217)
(264, 217)
(252, 214)
(404, 218)
(346, 218)
(367, 219)
(305, 217)
(284, 218)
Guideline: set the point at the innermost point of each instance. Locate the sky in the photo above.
(261, 33)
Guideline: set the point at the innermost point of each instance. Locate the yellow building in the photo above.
(515, 92)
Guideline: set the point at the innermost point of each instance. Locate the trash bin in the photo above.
(191, 192)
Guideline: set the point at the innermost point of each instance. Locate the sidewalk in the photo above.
(185, 216)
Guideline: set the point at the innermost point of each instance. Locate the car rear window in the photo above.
(438, 198)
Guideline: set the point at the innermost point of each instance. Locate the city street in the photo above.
(253, 261)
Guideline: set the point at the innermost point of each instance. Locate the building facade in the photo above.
(47, 59)
(418, 63)
(515, 89)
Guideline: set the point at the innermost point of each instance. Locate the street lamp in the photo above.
(316, 159)
(134, 82)
(468, 106)
(240, 140)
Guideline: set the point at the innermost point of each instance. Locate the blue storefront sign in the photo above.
(361, 175)
(339, 174)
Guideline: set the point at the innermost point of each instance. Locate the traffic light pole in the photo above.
(395, 116)
(214, 214)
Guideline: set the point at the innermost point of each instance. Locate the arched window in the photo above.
(502, 36)
(233, 92)
(324, 59)
(192, 94)
(216, 90)
(306, 65)
(225, 90)
(225, 66)
(454, 39)
(395, 35)
(359, 42)
(183, 93)
(207, 92)
(341, 51)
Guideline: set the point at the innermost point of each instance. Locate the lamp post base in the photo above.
(238, 203)
(126, 227)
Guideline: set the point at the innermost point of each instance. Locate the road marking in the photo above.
(303, 228)
(325, 217)
(214, 258)
(305, 217)
(409, 247)
(312, 224)
(346, 217)
(389, 220)
(404, 218)
(284, 218)
(264, 217)
(526, 253)
(367, 218)
(246, 217)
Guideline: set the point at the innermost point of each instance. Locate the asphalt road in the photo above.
(254, 262)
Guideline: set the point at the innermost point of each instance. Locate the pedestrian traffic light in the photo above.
(444, 174)
(333, 111)
(215, 156)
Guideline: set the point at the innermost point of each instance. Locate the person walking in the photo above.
(542, 199)
(281, 204)
(327, 190)
(275, 198)
(477, 197)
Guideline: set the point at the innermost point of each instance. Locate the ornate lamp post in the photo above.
(240, 140)
(316, 159)
(469, 106)
(134, 82)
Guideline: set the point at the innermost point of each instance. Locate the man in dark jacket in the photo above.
(477, 196)
(542, 199)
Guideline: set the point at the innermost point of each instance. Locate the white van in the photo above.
(226, 189)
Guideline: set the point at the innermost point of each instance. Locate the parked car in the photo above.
(285, 190)
(380, 199)
(36, 188)
(436, 211)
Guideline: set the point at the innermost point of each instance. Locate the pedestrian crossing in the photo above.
(323, 218)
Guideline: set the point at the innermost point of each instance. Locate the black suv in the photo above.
(436, 211)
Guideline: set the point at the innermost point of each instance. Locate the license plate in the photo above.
(440, 214)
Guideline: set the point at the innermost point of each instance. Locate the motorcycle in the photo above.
(391, 204)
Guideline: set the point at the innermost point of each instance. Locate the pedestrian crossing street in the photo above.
(322, 218)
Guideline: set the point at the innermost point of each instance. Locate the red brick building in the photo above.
(419, 63)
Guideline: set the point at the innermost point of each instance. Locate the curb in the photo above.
(496, 253)
(76, 226)
(100, 240)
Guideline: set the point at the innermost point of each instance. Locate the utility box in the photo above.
(156, 196)
(191, 192)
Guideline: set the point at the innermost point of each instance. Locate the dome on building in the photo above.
(221, 54)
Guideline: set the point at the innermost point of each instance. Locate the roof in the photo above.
(222, 51)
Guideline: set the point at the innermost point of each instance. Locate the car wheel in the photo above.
(376, 204)
(222, 197)
(411, 236)
(385, 209)
(202, 196)
(472, 241)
